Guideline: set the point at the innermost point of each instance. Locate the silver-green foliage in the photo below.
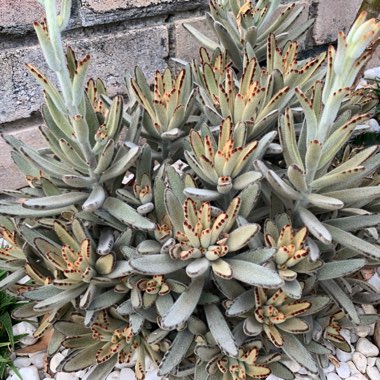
(217, 222)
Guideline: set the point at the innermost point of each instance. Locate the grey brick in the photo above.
(112, 55)
(95, 12)
(186, 46)
(10, 177)
(17, 16)
(332, 17)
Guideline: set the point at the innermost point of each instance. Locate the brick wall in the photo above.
(119, 34)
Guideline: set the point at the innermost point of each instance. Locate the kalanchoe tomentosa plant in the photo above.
(217, 222)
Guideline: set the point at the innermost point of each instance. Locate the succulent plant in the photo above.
(224, 164)
(242, 27)
(277, 312)
(217, 222)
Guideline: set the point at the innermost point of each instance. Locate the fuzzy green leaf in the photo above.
(128, 215)
(220, 330)
(254, 274)
(337, 269)
(185, 304)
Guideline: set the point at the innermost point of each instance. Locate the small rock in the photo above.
(129, 374)
(22, 362)
(360, 361)
(343, 356)
(372, 73)
(354, 337)
(369, 309)
(362, 83)
(358, 376)
(346, 334)
(343, 370)
(55, 361)
(66, 376)
(363, 331)
(272, 377)
(374, 125)
(371, 362)
(378, 363)
(38, 359)
(367, 348)
(353, 368)
(375, 281)
(29, 373)
(333, 376)
(373, 373)
(150, 365)
(115, 375)
(25, 328)
(329, 368)
(152, 375)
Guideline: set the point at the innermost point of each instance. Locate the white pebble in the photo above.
(128, 374)
(346, 334)
(371, 362)
(272, 377)
(373, 373)
(150, 365)
(152, 375)
(343, 370)
(343, 356)
(366, 347)
(115, 375)
(25, 328)
(22, 362)
(358, 376)
(354, 336)
(55, 361)
(329, 368)
(369, 309)
(375, 281)
(66, 376)
(360, 361)
(372, 73)
(29, 373)
(363, 331)
(333, 376)
(353, 368)
(38, 359)
(378, 363)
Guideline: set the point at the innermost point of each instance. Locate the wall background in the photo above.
(119, 34)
